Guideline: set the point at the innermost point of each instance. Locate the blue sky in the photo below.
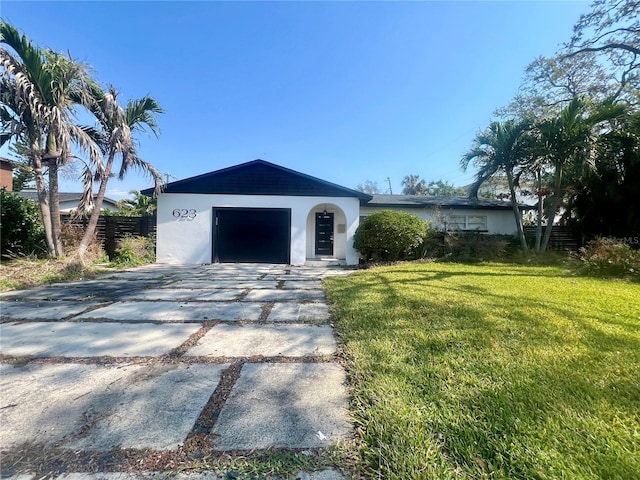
(345, 91)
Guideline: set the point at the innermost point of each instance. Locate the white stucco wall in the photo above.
(498, 221)
(189, 240)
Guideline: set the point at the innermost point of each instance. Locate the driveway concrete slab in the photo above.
(182, 294)
(175, 311)
(299, 312)
(268, 295)
(100, 290)
(218, 283)
(56, 310)
(226, 340)
(98, 408)
(80, 339)
(310, 284)
(284, 405)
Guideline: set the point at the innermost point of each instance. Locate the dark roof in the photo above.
(63, 196)
(424, 201)
(259, 177)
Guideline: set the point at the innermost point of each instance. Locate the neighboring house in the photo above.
(450, 213)
(70, 201)
(262, 212)
(6, 174)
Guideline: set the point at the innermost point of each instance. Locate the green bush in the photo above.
(133, 250)
(608, 257)
(21, 230)
(390, 236)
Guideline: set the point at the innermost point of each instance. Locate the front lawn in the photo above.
(491, 371)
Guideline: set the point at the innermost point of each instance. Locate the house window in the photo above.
(467, 222)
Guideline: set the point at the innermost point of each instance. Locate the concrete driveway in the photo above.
(163, 360)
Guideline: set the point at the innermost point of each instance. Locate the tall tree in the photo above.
(567, 142)
(603, 201)
(117, 125)
(501, 149)
(413, 185)
(45, 87)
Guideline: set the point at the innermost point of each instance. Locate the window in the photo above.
(467, 222)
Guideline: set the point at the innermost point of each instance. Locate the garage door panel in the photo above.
(252, 235)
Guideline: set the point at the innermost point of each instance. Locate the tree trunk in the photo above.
(540, 212)
(516, 212)
(43, 200)
(554, 209)
(54, 207)
(97, 206)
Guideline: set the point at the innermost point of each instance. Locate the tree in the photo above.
(444, 189)
(41, 89)
(602, 60)
(369, 187)
(602, 202)
(501, 149)
(413, 185)
(567, 143)
(117, 126)
(138, 206)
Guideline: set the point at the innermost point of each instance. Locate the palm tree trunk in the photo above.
(43, 199)
(97, 206)
(516, 212)
(54, 208)
(554, 208)
(540, 212)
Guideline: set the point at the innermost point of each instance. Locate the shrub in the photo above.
(390, 236)
(608, 257)
(71, 236)
(134, 250)
(476, 246)
(21, 230)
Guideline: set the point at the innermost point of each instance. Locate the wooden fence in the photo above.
(111, 229)
(562, 238)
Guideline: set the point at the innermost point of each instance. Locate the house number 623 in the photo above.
(184, 213)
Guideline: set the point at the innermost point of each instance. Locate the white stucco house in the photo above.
(262, 212)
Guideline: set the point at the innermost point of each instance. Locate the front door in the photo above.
(324, 233)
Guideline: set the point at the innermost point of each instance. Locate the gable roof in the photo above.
(424, 201)
(259, 177)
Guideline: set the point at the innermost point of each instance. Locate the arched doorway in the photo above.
(326, 232)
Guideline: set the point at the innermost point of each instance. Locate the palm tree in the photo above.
(412, 185)
(139, 205)
(45, 87)
(503, 148)
(117, 125)
(567, 142)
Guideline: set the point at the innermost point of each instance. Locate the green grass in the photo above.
(491, 371)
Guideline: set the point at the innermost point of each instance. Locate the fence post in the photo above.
(110, 237)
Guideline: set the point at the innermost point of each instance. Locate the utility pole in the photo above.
(390, 189)
(167, 176)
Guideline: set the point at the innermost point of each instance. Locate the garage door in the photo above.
(260, 235)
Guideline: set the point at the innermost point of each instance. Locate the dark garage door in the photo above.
(252, 235)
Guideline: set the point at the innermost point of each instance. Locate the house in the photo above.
(69, 201)
(6, 174)
(262, 212)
